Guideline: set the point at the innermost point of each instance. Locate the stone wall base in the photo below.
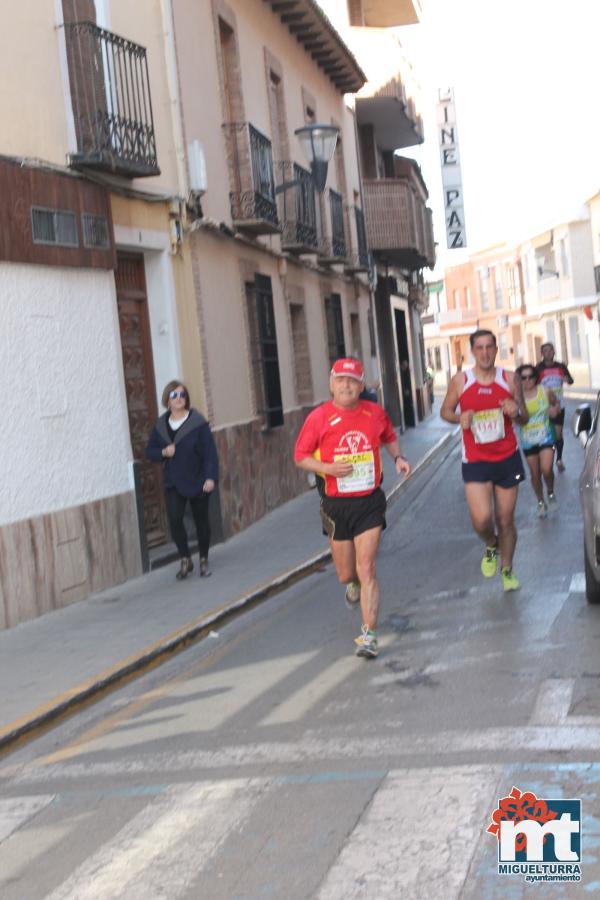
(50, 561)
(257, 471)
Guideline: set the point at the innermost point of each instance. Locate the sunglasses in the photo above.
(174, 394)
(527, 377)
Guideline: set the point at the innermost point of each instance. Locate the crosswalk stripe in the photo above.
(577, 585)
(553, 701)
(302, 701)
(418, 836)
(15, 811)
(568, 737)
(166, 845)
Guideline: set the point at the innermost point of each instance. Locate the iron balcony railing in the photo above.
(112, 107)
(252, 195)
(338, 239)
(333, 248)
(297, 207)
(360, 260)
(597, 278)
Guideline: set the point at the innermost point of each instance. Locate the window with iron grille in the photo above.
(265, 358)
(95, 232)
(54, 226)
(336, 346)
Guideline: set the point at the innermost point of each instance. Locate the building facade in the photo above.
(561, 298)
(92, 291)
(398, 221)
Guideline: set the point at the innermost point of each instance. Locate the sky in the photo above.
(526, 78)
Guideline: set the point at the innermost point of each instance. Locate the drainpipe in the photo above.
(166, 8)
(371, 286)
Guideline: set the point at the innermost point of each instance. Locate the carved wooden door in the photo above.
(138, 367)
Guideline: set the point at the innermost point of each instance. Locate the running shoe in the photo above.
(510, 582)
(205, 571)
(352, 594)
(552, 501)
(489, 563)
(366, 643)
(560, 465)
(541, 510)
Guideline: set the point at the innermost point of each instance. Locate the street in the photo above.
(268, 761)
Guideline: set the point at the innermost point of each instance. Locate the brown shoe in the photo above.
(185, 568)
(204, 568)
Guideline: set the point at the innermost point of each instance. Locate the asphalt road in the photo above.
(268, 761)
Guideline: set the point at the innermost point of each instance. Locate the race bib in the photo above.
(362, 477)
(488, 426)
(535, 434)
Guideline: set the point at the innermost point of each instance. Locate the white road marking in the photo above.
(553, 701)
(296, 706)
(418, 836)
(202, 703)
(163, 848)
(15, 811)
(531, 738)
(577, 585)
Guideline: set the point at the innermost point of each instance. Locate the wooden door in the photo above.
(138, 368)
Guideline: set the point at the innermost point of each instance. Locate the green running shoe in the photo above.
(489, 563)
(366, 643)
(510, 582)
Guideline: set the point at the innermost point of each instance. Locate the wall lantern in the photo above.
(318, 143)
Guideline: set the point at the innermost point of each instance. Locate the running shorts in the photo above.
(535, 450)
(559, 419)
(345, 517)
(505, 473)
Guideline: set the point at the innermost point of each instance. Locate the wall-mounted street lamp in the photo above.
(318, 143)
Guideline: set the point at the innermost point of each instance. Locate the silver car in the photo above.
(586, 426)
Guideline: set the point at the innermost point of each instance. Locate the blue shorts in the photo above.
(506, 473)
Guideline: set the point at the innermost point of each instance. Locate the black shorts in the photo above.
(506, 473)
(559, 419)
(535, 451)
(345, 517)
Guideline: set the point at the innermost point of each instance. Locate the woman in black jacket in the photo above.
(182, 441)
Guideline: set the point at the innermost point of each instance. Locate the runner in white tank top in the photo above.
(489, 401)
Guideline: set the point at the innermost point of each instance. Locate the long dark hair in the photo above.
(521, 369)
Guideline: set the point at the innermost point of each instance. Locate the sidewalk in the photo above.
(54, 662)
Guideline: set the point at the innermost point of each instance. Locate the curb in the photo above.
(27, 727)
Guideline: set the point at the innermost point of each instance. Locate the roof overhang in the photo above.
(312, 29)
(390, 13)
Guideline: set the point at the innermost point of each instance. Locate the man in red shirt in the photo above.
(489, 401)
(340, 442)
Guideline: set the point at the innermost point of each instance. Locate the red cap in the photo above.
(352, 368)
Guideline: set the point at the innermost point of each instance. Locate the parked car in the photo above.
(586, 427)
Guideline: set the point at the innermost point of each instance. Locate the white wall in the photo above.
(66, 437)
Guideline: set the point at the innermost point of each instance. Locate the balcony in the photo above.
(333, 249)
(384, 13)
(112, 108)
(252, 195)
(359, 259)
(597, 278)
(297, 209)
(399, 225)
(394, 121)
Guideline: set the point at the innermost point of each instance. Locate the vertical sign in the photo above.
(454, 212)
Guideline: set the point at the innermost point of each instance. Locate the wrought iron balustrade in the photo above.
(252, 197)
(360, 259)
(297, 208)
(338, 238)
(112, 106)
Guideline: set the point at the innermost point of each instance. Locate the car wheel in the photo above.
(592, 587)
